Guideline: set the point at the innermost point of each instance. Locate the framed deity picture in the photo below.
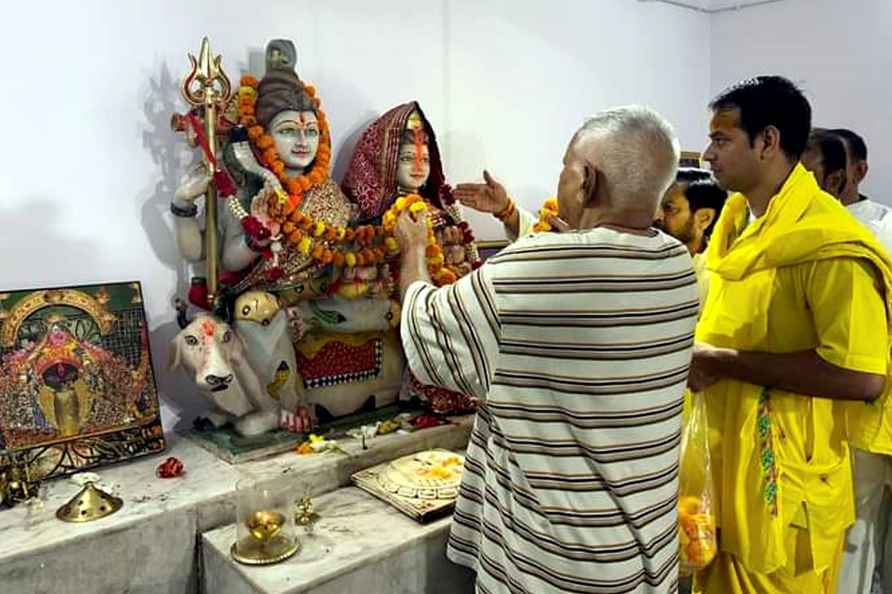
(690, 159)
(489, 248)
(77, 388)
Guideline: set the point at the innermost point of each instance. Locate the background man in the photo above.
(825, 157)
(688, 213)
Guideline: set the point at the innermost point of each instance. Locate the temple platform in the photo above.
(153, 544)
(361, 544)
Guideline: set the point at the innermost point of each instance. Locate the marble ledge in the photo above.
(360, 544)
(203, 499)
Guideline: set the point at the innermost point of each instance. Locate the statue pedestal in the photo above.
(360, 544)
(149, 546)
(228, 445)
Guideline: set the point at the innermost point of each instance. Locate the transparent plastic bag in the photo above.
(696, 513)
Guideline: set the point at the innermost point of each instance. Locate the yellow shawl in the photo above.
(802, 224)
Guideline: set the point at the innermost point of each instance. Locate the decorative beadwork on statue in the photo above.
(767, 457)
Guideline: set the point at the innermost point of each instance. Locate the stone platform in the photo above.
(361, 544)
(152, 544)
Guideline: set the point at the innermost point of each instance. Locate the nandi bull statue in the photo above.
(240, 384)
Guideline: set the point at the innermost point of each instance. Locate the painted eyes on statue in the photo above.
(409, 158)
(310, 132)
(227, 336)
(191, 340)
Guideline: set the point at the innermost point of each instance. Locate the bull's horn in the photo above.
(181, 306)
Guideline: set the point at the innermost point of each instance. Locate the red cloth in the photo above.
(370, 181)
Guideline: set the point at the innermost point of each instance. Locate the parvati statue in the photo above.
(396, 156)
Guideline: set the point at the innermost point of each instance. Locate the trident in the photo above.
(207, 86)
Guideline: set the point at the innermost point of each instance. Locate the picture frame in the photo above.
(77, 386)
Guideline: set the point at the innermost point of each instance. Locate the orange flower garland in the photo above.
(366, 245)
(549, 209)
(295, 186)
(440, 273)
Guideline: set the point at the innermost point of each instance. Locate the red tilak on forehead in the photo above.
(303, 120)
(208, 328)
(419, 143)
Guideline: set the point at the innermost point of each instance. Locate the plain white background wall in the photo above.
(89, 163)
(837, 50)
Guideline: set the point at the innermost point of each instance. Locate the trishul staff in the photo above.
(207, 86)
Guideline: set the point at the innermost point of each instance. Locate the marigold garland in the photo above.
(362, 246)
(549, 209)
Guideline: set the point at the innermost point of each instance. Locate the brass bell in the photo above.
(89, 504)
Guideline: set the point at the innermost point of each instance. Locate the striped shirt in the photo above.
(578, 345)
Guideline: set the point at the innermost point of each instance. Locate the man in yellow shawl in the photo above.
(793, 342)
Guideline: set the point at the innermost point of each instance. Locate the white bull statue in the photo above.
(248, 371)
(215, 356)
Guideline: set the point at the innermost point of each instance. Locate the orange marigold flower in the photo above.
(314, 177)
(288, 227)
(249, 119)
(296, 235)
(327, 256)
(317, 252)
(433, 250)
(293, 186)
(304, 182)
(360, 259)
(310, 89)
(338, 259)
(331, 234)
(265, 141)
(349, 234)
(248, 81)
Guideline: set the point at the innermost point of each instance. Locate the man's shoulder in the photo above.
(598, 242)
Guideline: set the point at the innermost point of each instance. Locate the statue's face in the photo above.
(296, 135)
(413, 167)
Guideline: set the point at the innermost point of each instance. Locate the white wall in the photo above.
(89, 164)
(837, 50)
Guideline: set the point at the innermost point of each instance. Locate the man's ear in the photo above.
(836, 181)
(703, 218)
(860, 171)
(590, 186)
(770, 137)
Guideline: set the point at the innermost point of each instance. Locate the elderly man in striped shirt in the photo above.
(577, 345)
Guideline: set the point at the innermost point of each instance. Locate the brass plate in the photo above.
(249, 551)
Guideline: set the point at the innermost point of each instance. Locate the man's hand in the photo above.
(703, 372)
(489, 197)
(558, 224)
(411, 232)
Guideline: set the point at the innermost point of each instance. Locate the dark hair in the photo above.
(770, 101)
(854, 143)
(831, 147)
(687, 175)
(705, 193)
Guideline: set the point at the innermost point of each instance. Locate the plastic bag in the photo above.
(696, 513)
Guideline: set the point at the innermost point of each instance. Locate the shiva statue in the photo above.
(306, 288)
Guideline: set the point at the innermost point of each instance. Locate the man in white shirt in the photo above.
(873, 214)
(867, 567)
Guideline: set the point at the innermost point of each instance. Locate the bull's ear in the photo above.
(173, 354)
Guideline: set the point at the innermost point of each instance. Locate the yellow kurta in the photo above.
(803, 276)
